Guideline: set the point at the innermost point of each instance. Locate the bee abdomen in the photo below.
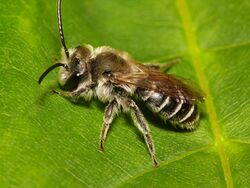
(181, 113)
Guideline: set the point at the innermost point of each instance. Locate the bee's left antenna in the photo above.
(50, 69)
(60, 28)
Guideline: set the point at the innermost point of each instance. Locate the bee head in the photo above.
(74, 63)
(77, 67)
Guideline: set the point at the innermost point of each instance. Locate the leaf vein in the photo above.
(238, 141)
(194, 52)
(77, 178)
(187, 154)
(228, 46)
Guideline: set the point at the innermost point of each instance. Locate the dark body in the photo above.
(116, 71)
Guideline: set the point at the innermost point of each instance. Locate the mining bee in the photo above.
(114, 78)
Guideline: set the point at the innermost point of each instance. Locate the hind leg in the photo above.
(142, 125)
(164, 67)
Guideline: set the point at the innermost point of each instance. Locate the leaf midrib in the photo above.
(195, 52)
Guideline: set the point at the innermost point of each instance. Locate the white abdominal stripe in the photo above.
(177, 110)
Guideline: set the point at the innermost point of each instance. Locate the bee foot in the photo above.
(55, 92)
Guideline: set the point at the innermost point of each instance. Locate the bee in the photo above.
(114, 78)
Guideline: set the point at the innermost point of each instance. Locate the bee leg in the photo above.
(73, 95)
(144, 129)
(109, 114)
(164, 67)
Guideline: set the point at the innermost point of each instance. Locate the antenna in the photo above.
(50, 69)
(60, 28)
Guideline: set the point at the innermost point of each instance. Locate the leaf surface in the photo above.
(47, 141)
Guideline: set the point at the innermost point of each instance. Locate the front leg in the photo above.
(76, 94)
(143, 127)
(109, 114)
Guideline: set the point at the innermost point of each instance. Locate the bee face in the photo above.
(77, 68)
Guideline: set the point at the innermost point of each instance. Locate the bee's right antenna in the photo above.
(60, 28)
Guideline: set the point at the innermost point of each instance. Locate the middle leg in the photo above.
(109, 114)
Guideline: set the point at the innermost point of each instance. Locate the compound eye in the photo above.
(76, 61)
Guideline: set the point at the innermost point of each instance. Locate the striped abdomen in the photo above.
(181, 113)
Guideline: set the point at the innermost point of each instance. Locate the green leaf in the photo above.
(47, 141)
